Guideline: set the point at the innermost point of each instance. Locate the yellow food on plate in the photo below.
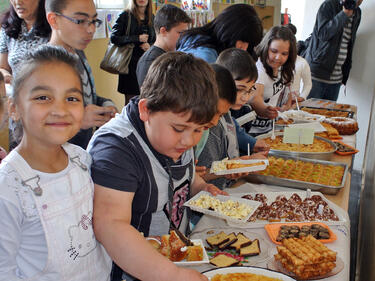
(242, 277)
(228, 208)
(317, 146)
(240, 165)
(306, 257)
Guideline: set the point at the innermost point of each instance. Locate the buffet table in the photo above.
(341, 229)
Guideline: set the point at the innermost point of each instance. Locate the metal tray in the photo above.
(314, 155)
(350, 113)
(327, 189)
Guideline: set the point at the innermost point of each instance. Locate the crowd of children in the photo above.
(142, 164)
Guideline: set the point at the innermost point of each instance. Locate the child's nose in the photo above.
(187, 140)
(59, 108)
(91, 28)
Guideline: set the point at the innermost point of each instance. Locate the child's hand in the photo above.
(145, 46)
(143, 38)
(214, 190)
(236, 176)
(201, 170)
(96, 116)
(112, 112)
(271, 112)
(261, 145)
(8, 78)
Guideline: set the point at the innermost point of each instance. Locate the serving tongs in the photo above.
(183, 238)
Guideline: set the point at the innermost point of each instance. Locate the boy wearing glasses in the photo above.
(226, 138)
(73, 26)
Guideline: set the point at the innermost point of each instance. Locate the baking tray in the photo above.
(271, 180)
(350, 113)
(320, 103)
(313, 155)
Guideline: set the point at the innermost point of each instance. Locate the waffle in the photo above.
(306, 257)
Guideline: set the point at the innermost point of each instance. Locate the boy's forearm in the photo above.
(198, 185)
(258, 104)
(129, 250)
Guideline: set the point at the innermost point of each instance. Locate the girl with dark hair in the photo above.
(277, 56)
(46, 189)
(141, 34)
(24, 26)
(237, 26)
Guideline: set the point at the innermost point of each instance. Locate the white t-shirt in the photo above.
(273, 95)
(302, 72)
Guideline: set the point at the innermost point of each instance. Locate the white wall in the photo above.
(296, 10)
(311, 8)
(361, 83)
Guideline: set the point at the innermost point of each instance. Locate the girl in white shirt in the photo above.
(46, 194)
(277, 55)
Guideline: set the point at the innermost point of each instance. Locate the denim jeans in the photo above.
(321, 90)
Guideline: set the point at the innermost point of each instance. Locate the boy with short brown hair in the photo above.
(143, 166)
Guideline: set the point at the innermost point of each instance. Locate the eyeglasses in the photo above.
(247, 92)
(84, 23)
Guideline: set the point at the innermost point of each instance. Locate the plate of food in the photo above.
(306, 259)
(176, 250)
(227, 166)
(344, 149)
(292, 206)
(228, 208)
(243, 273)
(229, 248)
(299, 116)
(279, 231)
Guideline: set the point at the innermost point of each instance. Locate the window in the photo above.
(111, 4)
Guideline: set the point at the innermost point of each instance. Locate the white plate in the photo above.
(247, 269)
(300, 116)
(205, 256)
(253, 204)
(265, 247)
(218, 167)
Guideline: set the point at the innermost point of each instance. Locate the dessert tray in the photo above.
(321, 149)
(320, 103)
(299, 116)
(274, 228)
(316, 208)
(229, 208)
(328, 112)
(265, 247)
(318, 175)
(277, 266)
